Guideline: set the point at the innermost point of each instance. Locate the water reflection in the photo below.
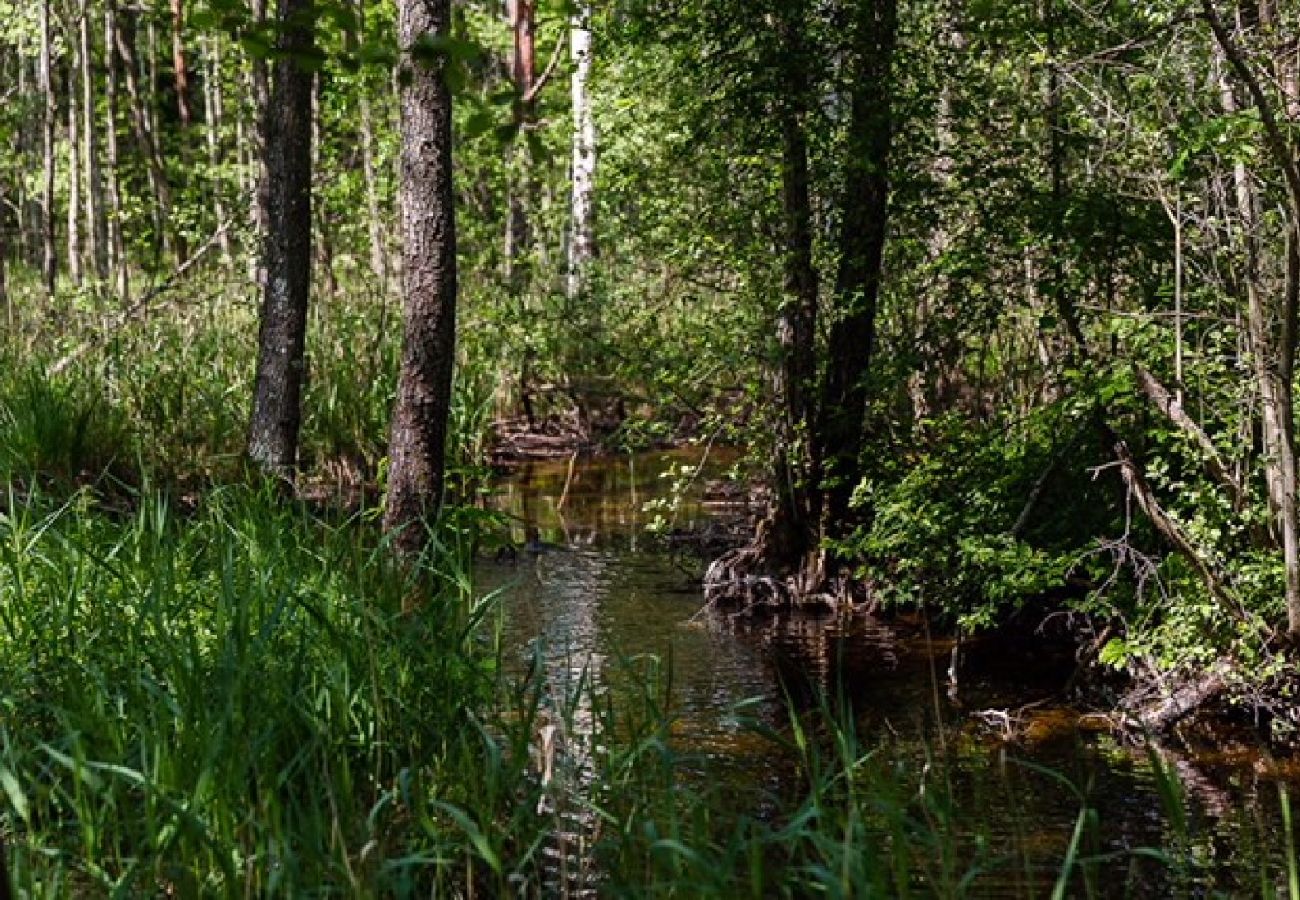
(601, 600)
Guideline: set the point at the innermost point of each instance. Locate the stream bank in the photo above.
(1018, 759)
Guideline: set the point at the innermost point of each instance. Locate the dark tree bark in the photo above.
(277, 399)
(862, 241)
(419, 431)
(792, 530)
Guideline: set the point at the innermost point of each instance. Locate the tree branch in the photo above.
(1159, 395)
(536, 89)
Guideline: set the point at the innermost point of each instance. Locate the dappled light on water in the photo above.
(608, 610)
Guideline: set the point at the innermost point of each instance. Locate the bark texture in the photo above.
(582, 244)
(862, 242)
(281, 365)
(1271, 316)
(417, 445)
(49, 257)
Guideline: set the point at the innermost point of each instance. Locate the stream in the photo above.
(604, 601)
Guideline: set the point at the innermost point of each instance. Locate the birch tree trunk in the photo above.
(374, 222)
(417, 448)
(582, 243)
(116, 244)
(142, 128)
(259, 211)
(74, 182)
(96, 228)
(323, 243)
(213, 116)
(49, 263)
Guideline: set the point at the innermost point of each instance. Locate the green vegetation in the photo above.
(998, 302)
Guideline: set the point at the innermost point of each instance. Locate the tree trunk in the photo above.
(96, 227)
(928, 384)
(582, 242)
(213, 114)
(116, 244)
(142, 127)
(519, 184)
(1272, 346)
(259, 212)
(419, 432)
(792, 531)
(324, 243)
(862, 241)
(277, 399)
(49, 263)
(74, 182)
(374, 221)
(180, 70)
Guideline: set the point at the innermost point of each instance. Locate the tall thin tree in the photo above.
(582, 243)
(281, 362)
(49, 261)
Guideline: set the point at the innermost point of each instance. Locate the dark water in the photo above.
(606, 603)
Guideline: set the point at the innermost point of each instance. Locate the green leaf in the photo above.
(14, 791)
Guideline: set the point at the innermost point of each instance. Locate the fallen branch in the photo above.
(140, 305)
(1140, 489)
(1168, 404)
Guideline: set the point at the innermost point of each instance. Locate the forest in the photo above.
(693, 448)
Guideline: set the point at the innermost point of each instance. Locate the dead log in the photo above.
(1163, 714)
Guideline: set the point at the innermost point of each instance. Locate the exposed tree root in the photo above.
(764, 576)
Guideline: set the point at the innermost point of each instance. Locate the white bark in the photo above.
(49, 262)
(213, 113)
(582, 244)
(96, 230)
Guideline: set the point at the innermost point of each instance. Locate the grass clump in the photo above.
(228, 703)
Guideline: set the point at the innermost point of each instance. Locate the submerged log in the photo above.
(1162, 714)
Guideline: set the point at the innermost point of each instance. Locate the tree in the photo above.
(281, 362)
(1273, 317)
(417, 446)
(582, 242)
(822, 430)
(864, 213)
(49, 264)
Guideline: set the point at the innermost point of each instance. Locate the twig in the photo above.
(140, 305)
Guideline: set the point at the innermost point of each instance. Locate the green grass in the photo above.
(225, 700)
(207, 692)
